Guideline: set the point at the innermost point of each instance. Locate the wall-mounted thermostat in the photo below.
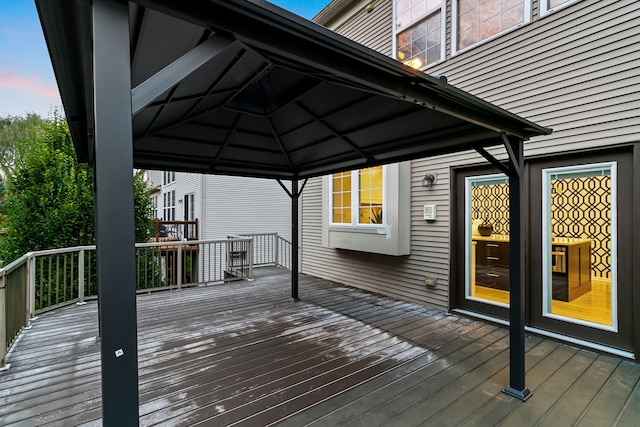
(430, 212)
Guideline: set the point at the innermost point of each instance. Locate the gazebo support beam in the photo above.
(516, 388)
(114, 221)
(147, 91)
(295, 220)
(294, 194)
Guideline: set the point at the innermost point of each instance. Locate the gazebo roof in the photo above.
(245, 88)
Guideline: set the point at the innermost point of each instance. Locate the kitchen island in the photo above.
(570, 265)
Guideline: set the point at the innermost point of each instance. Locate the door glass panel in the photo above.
(189, 215)
(579, 244)
(487, 239)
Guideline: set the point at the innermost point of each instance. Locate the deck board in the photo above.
(244, 354)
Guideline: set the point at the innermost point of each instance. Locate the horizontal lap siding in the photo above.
(574, 70)
(187, 183)
(245, 205)
(372, 29)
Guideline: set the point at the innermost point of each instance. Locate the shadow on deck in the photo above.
(241, 353)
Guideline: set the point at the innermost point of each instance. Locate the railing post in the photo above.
(3, 322)
(179, 273)
(277, 249)
(81, 277)
(250, 259)
(31, 286)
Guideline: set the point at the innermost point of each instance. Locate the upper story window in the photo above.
(419, 32)
(478, 20)
(357, 197)
(154, 206)
(168, 177)
(169, 205)
(547, 6)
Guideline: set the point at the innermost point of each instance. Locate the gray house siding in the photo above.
(244, 205)
(371, 29)
(574, 70)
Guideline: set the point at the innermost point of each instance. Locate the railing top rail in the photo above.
(15, 264)
(253, 234)
(62, 250)
(188, 222)
(239, 236)
(189, 242)
(283, 239)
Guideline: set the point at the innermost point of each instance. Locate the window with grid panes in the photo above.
(477, 20)
(357, 197)
(418, 30)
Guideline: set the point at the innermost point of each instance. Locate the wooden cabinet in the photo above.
(493, 253)
(492, 264)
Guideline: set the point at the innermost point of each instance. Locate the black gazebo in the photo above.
(245, 88)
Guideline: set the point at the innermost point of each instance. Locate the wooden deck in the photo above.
(241, 353)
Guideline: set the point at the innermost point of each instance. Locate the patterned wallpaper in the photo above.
(491, 203)
(581, 208)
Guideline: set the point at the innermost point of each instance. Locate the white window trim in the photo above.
(454, 28)
(355, 203)
(394, 236)
(468, 236)
(169, 206)
(443, 32)
(154, 206)
(168, 177)
(546, 242)
(190, 206)
(544, 9)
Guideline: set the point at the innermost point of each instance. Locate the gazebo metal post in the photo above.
(294, 194)
(295, 219)
(113, 166)
(516, 386)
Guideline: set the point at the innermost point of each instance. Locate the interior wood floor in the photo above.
(243, 354)
(594, 306)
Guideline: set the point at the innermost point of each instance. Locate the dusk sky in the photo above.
(27, 83)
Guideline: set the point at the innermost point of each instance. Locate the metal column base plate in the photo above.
(518, 394)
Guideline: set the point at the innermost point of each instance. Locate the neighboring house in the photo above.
(571, 65)
(222, 204)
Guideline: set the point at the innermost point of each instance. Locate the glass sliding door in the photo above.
(579, 245)
(580, 258)
(487, 239)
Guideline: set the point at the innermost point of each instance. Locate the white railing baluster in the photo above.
(31, 285)
(81, 277)
(3, 321)
(179, 273)
(250, 260)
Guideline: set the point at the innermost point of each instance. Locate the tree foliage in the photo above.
(13, 131)
(142, 207)
(50, 196)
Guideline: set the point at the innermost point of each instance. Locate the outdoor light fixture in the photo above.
(428, 180)
(369, 7)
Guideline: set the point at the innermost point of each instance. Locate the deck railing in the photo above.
(45, 280)
(14, 311)
(269, 249)
(175, 230)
